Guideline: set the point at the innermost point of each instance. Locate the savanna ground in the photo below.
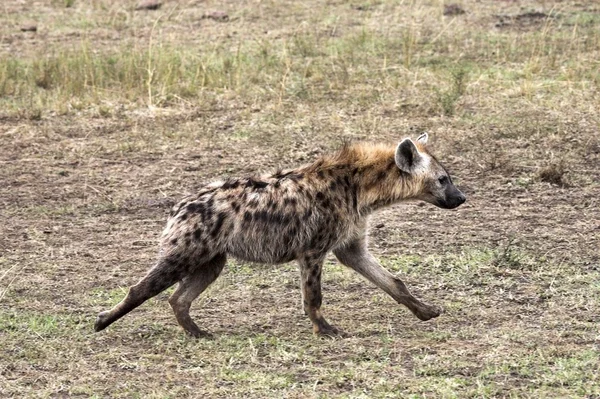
(108, 115)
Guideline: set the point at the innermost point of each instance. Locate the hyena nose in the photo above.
(461, 199)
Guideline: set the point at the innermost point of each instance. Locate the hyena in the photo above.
(298, 214)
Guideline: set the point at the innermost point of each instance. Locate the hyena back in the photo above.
(299, 214)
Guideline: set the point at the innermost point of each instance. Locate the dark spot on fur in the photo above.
(235, 206)
(309, 283)
(333, 185)
(280, 174)
(197, 234)
(354, 200)
(262, 216)
(230, 184)
(253, 203)
(271, 203)
(188, 233)
(320, 196)
(381, 175)
(183, 216)
(280, 218)
(277, 217)
(207, 211)
(207, 214)
(307, 214)
(193, 207)
(218, 224)
(256, 184)
(290, 201)
(321, 174)
(317, 300)
(174, 241)
(247, 216)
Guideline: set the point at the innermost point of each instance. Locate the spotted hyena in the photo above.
(298, 214)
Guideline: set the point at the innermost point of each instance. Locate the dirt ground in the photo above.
(508, 92)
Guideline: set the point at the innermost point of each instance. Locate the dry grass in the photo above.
(108, 115)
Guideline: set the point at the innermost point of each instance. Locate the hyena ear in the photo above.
(423, 138)
(407, 156)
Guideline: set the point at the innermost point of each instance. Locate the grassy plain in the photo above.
(108, 115)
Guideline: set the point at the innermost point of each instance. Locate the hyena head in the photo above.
(435, 184)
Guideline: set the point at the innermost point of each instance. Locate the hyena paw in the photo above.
(330, 331)
(198, 333)
(101, 321)
(427, 312)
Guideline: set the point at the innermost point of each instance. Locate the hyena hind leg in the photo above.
(159, 278)
(188, 290)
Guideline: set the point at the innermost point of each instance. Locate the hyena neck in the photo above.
(376, 180)
(381, 185)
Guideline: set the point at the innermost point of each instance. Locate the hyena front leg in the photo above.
(189, 288)
(356, 256)
(310, 272)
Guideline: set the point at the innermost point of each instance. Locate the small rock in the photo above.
(379, 226)
(149, 5)
(453, 9)
(28, 28)
(217, 16)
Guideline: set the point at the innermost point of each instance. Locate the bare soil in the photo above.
(84, 197)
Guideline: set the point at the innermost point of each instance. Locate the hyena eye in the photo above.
(443, 180)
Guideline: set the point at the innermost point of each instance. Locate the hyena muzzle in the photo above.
(298, 214)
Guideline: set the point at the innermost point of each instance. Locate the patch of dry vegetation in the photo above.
(108, 115)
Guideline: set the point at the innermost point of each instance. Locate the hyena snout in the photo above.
(455, 202)
(453, 199)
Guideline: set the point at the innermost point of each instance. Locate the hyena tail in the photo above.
(159, 278)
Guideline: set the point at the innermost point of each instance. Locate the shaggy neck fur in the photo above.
(377, 180)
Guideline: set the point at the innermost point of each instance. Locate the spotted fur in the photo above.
(298, 214)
